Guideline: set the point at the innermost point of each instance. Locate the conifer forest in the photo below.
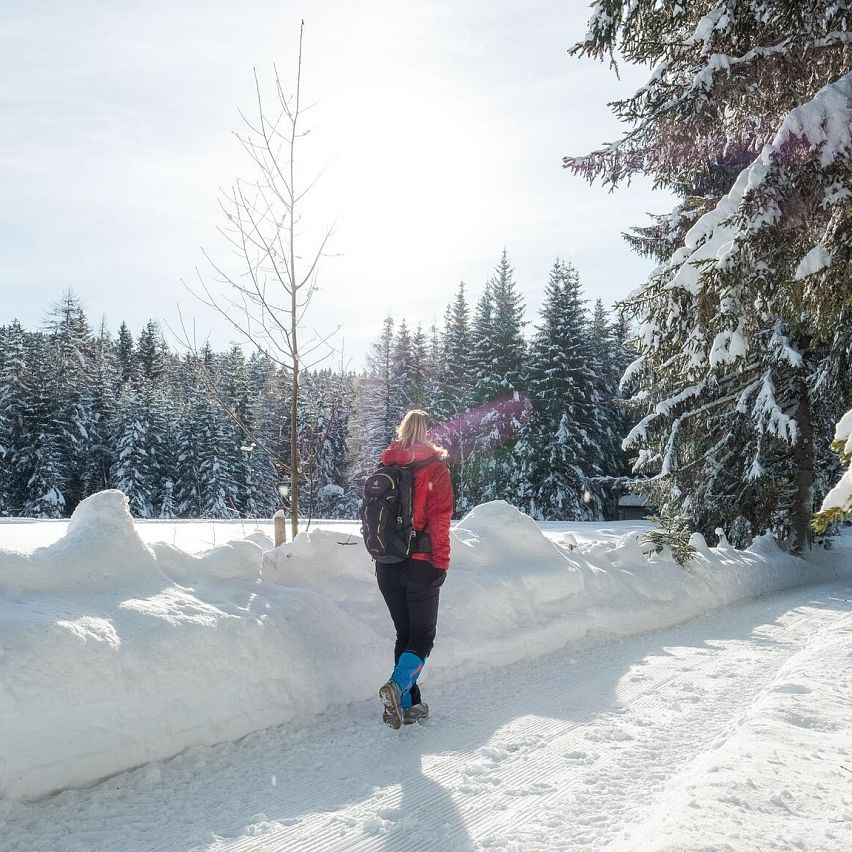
(533, 418)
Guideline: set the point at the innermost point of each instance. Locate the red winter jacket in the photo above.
(433, 498)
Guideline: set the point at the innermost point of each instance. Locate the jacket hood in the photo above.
(397, 454)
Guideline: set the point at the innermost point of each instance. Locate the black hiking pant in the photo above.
(411, 590)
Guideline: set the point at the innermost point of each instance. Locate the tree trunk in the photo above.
(294, 310)
(294, 456)
(279, 525)
(803, 455)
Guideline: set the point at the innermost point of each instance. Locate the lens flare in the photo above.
(480, 430)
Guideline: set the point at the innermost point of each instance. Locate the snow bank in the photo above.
(85, 558)
(114, 653)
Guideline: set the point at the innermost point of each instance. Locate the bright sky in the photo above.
(443, 125)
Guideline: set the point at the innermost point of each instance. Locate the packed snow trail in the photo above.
(574, 751)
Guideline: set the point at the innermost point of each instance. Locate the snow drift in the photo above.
(114, 653)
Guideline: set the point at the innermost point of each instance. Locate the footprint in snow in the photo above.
(575, 755)
(793, 688)
(375, 825)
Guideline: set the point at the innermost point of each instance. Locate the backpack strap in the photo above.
(415, 466)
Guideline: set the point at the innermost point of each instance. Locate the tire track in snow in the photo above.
(376, 736)
(533, 729)
(644, 700)
(528, 749)
(519, 776)
(724, 715)
(288, 841)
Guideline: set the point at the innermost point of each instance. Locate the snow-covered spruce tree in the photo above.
(205, 480)
(747, 116)
(402, 368)
(71, 357)
(384, 404)
(133, 470)
(424, 372)
(457, 370)
(125, 353)
(433, 371)
(481, 438)
(188, 494)
(376, 412)
(561, 447)
(251, 432)
(216, 454)
(419, 387)
(610, 359)
(237, 431)
(482, 348)
(15, 394)
(498, 336)
(324, 413)
(498, 371)
(311, 423)
(671, 531)
(151, 354)
(104, 383)
(40, 461)
(149, 407)
(340, 399)
(269, 392)
(838, 502)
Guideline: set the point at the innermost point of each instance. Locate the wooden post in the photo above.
(279, 522)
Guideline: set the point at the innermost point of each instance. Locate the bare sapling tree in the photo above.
(266, 297)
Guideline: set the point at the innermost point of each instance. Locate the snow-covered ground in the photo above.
(115, 653)
(727, 733)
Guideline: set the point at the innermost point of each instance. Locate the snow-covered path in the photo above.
(729, 732)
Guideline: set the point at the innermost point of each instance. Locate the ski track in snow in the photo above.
(569, 752)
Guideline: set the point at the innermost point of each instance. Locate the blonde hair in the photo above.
(412, 432)
(412, 429)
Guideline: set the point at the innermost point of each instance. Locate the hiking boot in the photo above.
(410, 715)
(391, 695)
(415, 713)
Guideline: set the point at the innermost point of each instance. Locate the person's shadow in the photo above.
(426, 816)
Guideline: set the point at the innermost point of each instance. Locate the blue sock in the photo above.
(406, 671)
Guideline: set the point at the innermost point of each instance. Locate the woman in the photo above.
(411, 588)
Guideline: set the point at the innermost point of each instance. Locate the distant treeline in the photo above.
(529, 417)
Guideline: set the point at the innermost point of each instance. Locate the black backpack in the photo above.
(386, 511)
